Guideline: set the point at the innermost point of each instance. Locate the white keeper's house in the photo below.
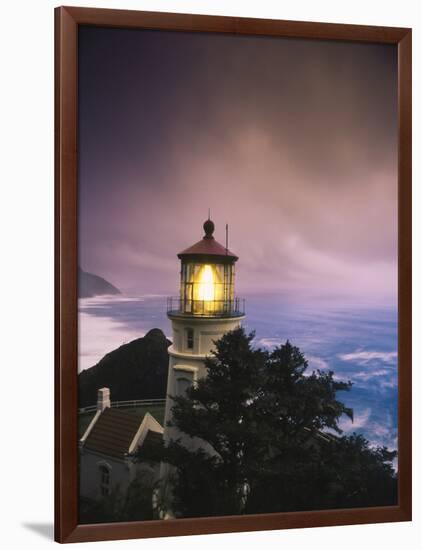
(106, 449)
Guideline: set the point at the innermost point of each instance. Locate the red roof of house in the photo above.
(113, 432)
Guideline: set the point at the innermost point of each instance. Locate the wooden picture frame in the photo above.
(67, 21)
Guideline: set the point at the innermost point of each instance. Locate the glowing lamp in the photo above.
(206, 284)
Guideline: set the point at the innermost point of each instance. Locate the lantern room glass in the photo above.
(207, 288)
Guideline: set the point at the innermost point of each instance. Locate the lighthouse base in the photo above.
(193, 341)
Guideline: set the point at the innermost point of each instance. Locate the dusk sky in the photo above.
(291, 142)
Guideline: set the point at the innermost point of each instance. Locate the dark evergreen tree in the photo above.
(138, 502)
(220, 411)
(262, 422)
(135, 504)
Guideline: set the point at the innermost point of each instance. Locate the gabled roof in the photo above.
(116, 433)
(113, 432)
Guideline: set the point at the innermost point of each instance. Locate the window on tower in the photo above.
(183, 383)
(189, 338)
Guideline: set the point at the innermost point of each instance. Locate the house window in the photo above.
(104, 480)
(189, 338)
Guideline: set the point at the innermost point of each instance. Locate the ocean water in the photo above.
(356, 341)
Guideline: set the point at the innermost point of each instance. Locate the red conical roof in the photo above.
(208, 246)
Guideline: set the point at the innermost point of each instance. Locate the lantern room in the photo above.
(207, 280)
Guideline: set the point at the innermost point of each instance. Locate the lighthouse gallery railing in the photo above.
(206, 308)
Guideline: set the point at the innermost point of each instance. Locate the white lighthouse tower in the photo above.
(206, 309)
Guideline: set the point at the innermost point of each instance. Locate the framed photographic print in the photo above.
(233, 274)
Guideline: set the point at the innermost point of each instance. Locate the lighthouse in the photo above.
(206, 308)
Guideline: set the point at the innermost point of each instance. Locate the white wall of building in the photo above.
(122, 473)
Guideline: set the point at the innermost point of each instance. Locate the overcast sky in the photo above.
(291, 142)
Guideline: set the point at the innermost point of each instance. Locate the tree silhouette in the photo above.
(265, 437)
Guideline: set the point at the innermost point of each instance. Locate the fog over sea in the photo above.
(356, 341)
